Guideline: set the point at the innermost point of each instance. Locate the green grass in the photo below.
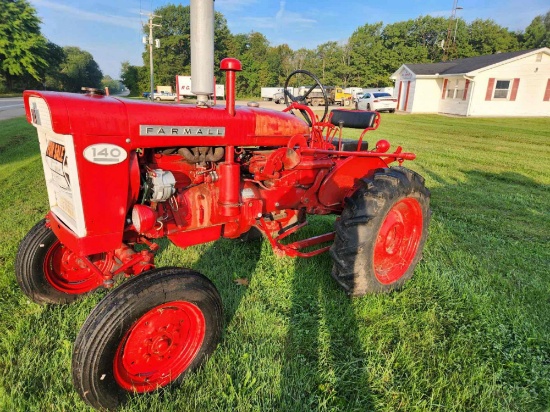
(469, 332)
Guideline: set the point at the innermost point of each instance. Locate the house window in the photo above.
(450, 93)
(501, 89)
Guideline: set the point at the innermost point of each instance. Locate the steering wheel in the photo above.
(302, 99)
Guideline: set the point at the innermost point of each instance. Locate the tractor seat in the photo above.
(356, 119)
(350, 145)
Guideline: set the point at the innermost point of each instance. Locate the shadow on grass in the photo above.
(324, 362)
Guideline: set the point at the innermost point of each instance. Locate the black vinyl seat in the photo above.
(356, 119)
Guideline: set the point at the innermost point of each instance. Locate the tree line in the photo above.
(371, 54)
(367, 59)
(30, 61)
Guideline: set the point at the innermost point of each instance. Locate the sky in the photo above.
(111, 29)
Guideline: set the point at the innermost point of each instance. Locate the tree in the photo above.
(22, 46)
(329, 62)
(55, 56)
(369, 55)
(252, 50)
(284, 55)
(130, 77)
(79, 69)
(487, 37)
(113, 85)
(537, 34)
(174, 55)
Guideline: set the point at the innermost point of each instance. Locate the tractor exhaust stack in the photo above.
(202, 49)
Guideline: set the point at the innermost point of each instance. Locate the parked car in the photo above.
(278, 97)
(165, 96)
(378, 101)
(146, 94)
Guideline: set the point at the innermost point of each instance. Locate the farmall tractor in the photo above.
(121, 174)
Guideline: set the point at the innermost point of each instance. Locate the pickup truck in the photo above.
(165, 96)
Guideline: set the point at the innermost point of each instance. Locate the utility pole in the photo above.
(449, 46)
(157, 44)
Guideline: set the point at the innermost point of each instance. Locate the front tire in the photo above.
(147, 334)
(48, 272)
(381, 233)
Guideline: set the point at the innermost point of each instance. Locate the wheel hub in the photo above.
(159, 346)
(68, 273)
(397, 241)
(394, 238)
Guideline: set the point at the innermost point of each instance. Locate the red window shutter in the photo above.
(490, 86)
(466, 89)
(444, 88)
(514, 90)
(547, 92)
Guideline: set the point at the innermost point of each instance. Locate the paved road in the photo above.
(11, 107)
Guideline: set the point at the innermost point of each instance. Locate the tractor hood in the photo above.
(145, 124)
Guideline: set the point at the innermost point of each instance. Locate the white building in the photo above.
(504, 84)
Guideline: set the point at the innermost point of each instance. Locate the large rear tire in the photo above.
(146, 334)
(381, 233)
(48, 272)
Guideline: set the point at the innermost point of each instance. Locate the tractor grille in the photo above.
(59, 162)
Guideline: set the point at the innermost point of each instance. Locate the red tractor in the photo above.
(121, 174)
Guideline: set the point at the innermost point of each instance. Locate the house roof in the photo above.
(464, 66)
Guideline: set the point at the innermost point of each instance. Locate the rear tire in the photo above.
(148, 333)
(392, 111)
(381, 233)
(368, 107)
(48, 272)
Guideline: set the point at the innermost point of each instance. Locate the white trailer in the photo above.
(353, 90)
(268, 92)
(184, 86)
(356, 92)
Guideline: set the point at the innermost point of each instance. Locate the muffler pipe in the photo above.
(202, 50)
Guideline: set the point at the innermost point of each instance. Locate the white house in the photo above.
(503, 84)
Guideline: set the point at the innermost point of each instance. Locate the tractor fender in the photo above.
(344, 177)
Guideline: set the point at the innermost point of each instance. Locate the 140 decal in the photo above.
(105, 154)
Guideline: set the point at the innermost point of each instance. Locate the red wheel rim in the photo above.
(398, 240)
(159, 347)
(68, 273)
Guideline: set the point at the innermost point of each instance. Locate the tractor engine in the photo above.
(181, 190)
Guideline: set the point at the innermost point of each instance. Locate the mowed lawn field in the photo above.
(469, 332)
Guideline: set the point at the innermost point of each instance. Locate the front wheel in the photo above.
(146, 334)
(49, 272)
(381, 233)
